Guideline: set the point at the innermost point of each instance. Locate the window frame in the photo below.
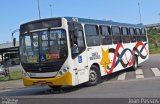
(136, 31)
(109, 29)
(134, 35)
(113, 36)
(102, 35)
(126, 29)
(143, 36)
(144, 31)
(130, 31)
(126, 35)
(98, 35)
(70, 32)
(116, 27)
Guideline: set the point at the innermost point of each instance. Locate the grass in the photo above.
(153, 50)
(14, 75)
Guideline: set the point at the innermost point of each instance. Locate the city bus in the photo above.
(68, 51)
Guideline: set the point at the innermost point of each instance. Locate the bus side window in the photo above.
(132, 35)
(106, 37)
(125, 35)
(92, 35)
(143, 33)
(80, 41)
(139, 37)
(117, 38)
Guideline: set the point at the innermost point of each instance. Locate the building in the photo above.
(153, 26)
(9, 54)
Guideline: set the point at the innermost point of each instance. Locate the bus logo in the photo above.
(105, 59)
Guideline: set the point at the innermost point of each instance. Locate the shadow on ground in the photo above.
(29, 91)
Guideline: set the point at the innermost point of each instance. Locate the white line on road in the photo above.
(6, 90)
(122, 76)
(156, 72)
(139, 74)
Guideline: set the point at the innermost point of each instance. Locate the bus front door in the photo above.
(79, 54)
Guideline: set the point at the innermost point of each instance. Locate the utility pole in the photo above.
(159, 16)
(51, 10)
(140, 16)
(39, 10)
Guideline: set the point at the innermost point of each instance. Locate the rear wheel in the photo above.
(94, 76)
(135, 63)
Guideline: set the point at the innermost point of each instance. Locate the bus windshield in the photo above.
(43, 46)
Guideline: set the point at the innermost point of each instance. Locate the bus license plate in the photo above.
(42, 83)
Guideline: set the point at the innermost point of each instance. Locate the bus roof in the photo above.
(84, 20)
(102, 22)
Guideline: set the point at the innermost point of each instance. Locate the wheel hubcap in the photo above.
(93, 76)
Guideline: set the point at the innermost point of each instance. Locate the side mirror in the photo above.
(14, 42)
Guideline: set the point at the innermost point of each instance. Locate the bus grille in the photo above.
(43, 67)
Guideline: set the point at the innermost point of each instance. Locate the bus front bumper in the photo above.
(66, 79)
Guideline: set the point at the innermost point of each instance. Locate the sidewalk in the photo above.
(13, 84)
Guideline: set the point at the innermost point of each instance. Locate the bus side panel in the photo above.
(120, 56)
(81, 69)
(144, 52)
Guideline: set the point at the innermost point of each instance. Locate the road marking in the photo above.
(139, 74)
(122, 76)
(156, 72)
(6, 90)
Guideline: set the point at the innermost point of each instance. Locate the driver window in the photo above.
(77, 44)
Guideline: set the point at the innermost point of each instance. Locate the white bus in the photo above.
(71, 51)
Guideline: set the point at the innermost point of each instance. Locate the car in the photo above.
(4, 70)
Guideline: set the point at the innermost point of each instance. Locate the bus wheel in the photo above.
(56, 87)
(135, 64)
(94, 76)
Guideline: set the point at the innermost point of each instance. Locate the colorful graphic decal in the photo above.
(52, 56)
(105, 61)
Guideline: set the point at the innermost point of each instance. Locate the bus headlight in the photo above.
(63, 71)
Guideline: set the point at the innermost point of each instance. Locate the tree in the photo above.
(154, 37)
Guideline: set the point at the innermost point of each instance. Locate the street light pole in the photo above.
(14, 39)
(51, 10)
(13, 32)
(159, 16)
(39, 10)
(140, 16)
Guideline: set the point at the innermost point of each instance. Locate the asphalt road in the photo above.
(110, 87)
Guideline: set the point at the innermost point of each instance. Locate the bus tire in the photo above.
(56, 87)
(135, 63)
(94, 76)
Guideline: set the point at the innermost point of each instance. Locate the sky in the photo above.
(13, 13)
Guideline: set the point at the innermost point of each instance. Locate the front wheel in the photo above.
(94, 76)
(56, 87)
